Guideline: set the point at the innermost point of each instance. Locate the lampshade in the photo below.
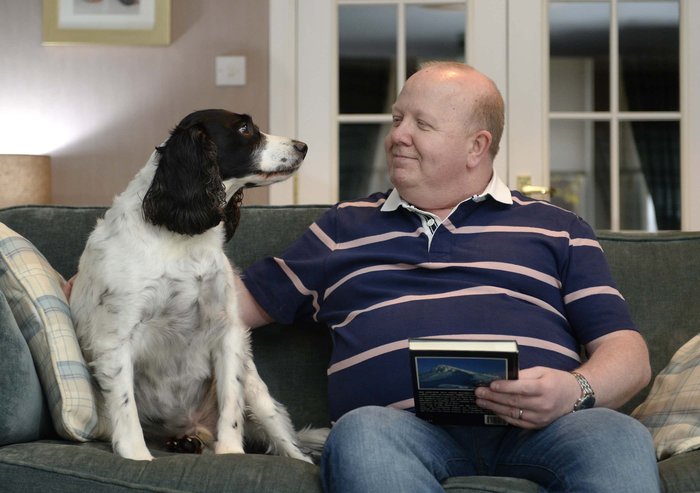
(24, 179)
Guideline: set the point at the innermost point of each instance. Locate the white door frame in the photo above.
(303, 96)
(690, 109)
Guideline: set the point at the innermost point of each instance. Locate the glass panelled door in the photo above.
(614, 122)
(602, 98)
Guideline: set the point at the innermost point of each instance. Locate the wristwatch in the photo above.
(587, 399)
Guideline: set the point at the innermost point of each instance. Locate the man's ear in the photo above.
(479, 145)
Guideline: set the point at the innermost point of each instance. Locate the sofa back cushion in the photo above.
(658, 276)
(269, 230)
(58, 232)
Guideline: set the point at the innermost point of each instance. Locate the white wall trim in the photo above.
(487, 51)
(282, 73)
(528, 85)
(690, 109)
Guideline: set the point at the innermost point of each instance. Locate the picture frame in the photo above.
(113, 22)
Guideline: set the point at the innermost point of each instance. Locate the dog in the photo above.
(154, 302)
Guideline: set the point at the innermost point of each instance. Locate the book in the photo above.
(446, 372)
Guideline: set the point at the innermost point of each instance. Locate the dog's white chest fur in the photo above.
(183, 316)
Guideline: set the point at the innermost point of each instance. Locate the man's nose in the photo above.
(400, 133)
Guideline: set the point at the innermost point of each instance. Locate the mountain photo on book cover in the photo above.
(458, 373)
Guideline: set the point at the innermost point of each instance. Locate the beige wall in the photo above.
(98, 111)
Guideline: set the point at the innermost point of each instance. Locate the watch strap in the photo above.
(587, 398)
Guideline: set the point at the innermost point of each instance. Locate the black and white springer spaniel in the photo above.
(154, 303)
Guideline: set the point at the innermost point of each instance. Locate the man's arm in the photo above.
(250, 311)
(618, 368)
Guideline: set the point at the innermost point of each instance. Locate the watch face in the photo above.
(586, 402)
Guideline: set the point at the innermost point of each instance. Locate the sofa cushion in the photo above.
(672, 408)
(33, 292)
(22, 407)
(60, 466)
(680, 473)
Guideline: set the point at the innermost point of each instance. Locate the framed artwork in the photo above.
(128, 22)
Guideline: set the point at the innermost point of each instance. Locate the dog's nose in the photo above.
(301, 147)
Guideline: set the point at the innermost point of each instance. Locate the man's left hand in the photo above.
(538, 397)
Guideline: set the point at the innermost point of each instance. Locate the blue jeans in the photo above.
(376, 449)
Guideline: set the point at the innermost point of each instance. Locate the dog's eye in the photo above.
(246, 130)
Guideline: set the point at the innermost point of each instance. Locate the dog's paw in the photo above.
(133, 454)
(230, 441)
(131, 448)
(228, 448)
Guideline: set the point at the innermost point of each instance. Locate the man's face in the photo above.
(428, 145)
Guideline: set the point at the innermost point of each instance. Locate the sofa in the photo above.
(657, 273)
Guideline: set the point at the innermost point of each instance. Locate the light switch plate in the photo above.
(230, 70)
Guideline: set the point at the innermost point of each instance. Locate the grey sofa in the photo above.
(657, 273)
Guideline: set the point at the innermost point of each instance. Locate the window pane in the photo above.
(362, 160)
(367, 58)
(580, 169)
(579, 50)
(649, 37)
(434, 32)
(650, 175)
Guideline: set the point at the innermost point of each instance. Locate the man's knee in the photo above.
(612, 437)
(601, 424)
(384, 449)
(362, 425)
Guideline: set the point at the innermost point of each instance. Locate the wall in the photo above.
(98, 111)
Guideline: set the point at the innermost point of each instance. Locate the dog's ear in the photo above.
(186, 195)
(232, 213)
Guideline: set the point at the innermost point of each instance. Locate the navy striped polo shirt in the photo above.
(501, 266)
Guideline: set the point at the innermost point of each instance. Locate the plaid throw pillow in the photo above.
(33, 290)
(671, 411)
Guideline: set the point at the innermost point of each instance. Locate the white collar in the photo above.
(496, 189)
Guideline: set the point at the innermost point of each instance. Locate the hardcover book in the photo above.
(446, 372)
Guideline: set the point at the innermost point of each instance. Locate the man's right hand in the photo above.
(68, 286)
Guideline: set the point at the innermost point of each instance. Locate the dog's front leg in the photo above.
(113, 371)
(229, 368)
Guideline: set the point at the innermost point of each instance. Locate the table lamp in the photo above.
(24, 179)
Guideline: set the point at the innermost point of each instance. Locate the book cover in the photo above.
(447, 371)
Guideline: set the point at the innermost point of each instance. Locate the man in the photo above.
(451, 251)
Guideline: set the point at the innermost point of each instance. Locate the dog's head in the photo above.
(210, 157)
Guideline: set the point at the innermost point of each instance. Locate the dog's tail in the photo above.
(311, 440)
